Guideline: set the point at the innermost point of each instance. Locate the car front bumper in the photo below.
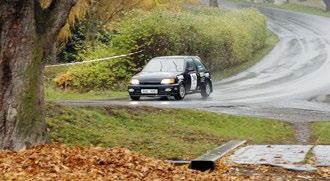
(162, 90)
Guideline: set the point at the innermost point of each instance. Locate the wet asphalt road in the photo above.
(291, 83)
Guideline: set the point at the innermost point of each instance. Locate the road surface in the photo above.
(291, 83)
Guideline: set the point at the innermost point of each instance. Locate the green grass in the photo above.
(321, 133)
(291, 7)
(55, 94)
(161, 133)
(303, 9)
(271, 41)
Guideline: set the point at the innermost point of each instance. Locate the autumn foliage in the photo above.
(60, 162)
(106, 11)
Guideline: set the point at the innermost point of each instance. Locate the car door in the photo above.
(191, 75)
(203, 73)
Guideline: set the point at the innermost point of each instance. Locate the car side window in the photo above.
(200, 66)
(191, 65)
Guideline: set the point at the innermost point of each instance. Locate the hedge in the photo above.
(221, 38)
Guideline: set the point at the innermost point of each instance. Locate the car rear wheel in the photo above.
(135, 98)
(181, 94)
(206, 90)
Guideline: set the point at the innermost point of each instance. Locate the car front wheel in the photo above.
(181, 94)
(206, 90)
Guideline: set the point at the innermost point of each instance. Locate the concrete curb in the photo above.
(208, 161)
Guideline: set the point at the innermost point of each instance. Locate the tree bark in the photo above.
(27, 37)
(327, 5)
(214, 3)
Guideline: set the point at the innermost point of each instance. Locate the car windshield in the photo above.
(165, 65)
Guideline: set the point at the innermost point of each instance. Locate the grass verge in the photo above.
(161, 133)
(291, 7)
(302, 9)
(321, 133)
(271, 41)
(54, 94)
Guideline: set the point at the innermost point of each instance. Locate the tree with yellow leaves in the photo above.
(107, 10)
(28, 32)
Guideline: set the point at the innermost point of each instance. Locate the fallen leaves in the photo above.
(60, 162)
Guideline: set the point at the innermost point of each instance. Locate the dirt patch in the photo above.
(113, 110)
(302, 132)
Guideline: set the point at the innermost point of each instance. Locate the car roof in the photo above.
(177, 57)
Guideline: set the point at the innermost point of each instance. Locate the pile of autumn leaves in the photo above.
(59, 162)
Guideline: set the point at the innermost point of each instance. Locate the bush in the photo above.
(221, 38)
(113, 74)
(64, 80)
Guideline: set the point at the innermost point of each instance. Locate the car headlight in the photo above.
(168, 81)
(135, 82)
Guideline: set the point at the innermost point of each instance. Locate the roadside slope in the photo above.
(161, 133)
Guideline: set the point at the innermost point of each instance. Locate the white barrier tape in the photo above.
(91, 61)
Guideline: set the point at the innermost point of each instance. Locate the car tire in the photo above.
(135, 98)
(181, 94)
(206, 90)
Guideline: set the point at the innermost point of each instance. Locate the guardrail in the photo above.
(92, 61)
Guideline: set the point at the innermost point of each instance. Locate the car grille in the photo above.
(150, 83)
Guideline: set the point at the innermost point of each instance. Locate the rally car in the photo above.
(171, 76)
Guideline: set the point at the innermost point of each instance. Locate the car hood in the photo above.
(155, 77)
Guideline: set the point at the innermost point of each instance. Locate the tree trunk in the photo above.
(27, 36)
(327, 5)
(214, 3)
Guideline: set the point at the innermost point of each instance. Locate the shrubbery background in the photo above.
(221, 38)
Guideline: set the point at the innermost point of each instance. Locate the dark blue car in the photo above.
(171, 76)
